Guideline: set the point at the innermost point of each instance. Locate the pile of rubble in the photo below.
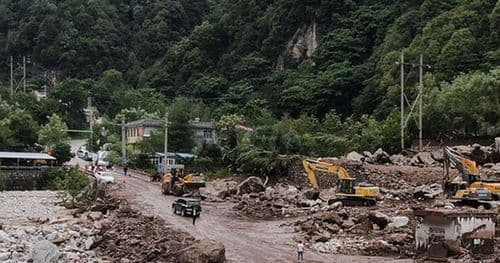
(253, 198)
(65, 240)
(138, 238)
(481, 154)
(421, 159)
(356, 231)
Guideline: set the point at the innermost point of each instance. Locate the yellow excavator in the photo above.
(468, 187)
(177, 183)
(347, 191)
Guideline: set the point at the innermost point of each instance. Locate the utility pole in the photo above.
(418, 99)
(124, 152)
(402, 100)
(165, 150)
(11, 77)
(91, 118)
(420, 91)
(24, 73)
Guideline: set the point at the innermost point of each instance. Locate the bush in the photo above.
(219, 173)
(2, 181)
(50, 177)
(72, 183)
(62, 152)
(141, 161)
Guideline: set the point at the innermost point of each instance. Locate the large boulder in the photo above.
(331, 218)
(311, 194)
(44, 252)
(252, 184)
(427, 191)
(205, 251)
(379, 218)
(218, 190)
(399, 159)
(368, 157)
(380, 156)
(424, 158)
(398, 222)
(354, 157)
(438, 155)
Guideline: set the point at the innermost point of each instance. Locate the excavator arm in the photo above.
(467, 167)
(347, 192)
(311, 166)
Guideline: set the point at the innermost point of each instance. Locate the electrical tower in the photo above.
(15, 83)
(417, 100)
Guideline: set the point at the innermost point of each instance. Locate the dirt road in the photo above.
(245, 241)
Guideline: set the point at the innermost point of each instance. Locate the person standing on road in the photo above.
(125, 169)
(300, 251)
(195, 215)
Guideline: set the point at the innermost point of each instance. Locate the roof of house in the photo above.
(26, 155)
(145, 122)
(202, 124)
(171, 154)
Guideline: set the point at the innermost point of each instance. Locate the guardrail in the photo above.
(129, 170)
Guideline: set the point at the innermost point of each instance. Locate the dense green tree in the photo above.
(72, 96)
(315, 77)
(24, 128)
(53, 133)
(180, 132)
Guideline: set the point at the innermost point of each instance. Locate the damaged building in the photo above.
(444, 232)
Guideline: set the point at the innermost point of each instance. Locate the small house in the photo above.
(135, 131)
(157, 159)
(204, 131)
(442, 229)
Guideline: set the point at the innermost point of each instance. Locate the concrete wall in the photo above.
(24, 180)
(456, 229)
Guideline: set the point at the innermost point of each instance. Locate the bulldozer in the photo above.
(467, 189)
(347, 191)
(177, 183)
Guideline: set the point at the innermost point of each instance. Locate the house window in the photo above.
(207, 134)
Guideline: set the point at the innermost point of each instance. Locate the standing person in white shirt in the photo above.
(300, 251)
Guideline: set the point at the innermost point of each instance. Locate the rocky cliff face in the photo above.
(300, 48)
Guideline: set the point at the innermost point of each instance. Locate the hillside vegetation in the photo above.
(313, 77)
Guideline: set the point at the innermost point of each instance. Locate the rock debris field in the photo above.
(23, 207)
(34, 228)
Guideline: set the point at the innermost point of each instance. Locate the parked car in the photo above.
(187, 206)
(104, 177)
(83, 154)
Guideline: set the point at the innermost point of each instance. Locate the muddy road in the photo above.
(245, 240)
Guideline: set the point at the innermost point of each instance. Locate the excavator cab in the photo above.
(346, 186)
(454, 187)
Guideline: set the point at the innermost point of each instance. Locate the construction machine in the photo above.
(347, 191)
(177, 183)
(467, 188)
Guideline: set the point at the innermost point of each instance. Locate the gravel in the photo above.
(35, 229)
(23, 206)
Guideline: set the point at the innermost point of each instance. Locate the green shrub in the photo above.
(219, 173)
(72, 183)
(2, 181)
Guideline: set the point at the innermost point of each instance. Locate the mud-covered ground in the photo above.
(245, 240)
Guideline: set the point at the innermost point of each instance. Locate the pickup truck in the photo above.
(187, 206)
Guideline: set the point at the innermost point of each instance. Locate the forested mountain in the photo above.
(305, 73)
